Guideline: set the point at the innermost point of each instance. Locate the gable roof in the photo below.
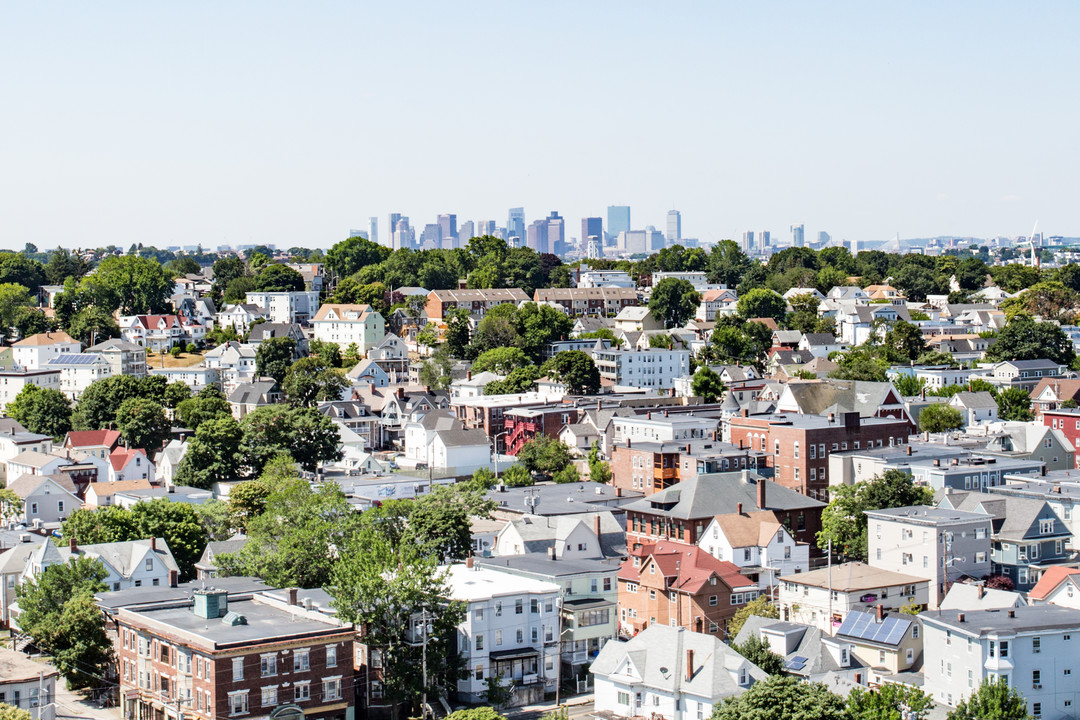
(1051, 579)
(120, 457)
(344, 312)
(92, 438)
(753, 529)
(46, 338)
(706, 496)
(688, 568)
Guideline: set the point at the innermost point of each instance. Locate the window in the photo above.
(238, 703)
(534, 603)
(478, 672)
(301, 660)
(268, 665)
(479, 613)
(498, 637)
(269, 696)
(33, 508)
(1004, 648)
(60, 506)
(302, 691)
(1036, 709)
(519, 606)
(331, 656)
(1036, 644)
(712, 600)
(149, 564)
(479, 642)
(796, 450)
(881, 657)
(607, 584)
(331, 689)
(1036, 679)
(914, 631)
(519, 636)
(623, 698)
(237, 669)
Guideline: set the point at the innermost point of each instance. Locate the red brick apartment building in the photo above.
(476, 302)
(682, 586)
(800, 444)
(654, 466)
(213, 657)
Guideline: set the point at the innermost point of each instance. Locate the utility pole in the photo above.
(830, 587)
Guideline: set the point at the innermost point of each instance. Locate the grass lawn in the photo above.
(154, 360)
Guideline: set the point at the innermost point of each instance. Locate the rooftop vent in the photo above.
(233, 619)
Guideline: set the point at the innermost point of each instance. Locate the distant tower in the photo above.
(556, 233)
(823, 239)
(373, 229)
(515, 224)
(674, 227)
(748, 241)
(448, 231)
(618, 220)
(485, 227)
(798, 236)
(763, 241)
(595, 249)
(466, 233)
(592, 226)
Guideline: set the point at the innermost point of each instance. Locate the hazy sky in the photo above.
(211, 122)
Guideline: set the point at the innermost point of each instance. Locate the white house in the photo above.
(167, 460)
(978, 408)
(14, 439)
(128, 564)
(807, 598)
(27, 684)
(472, 386)
(368, 372)
(465, 451)
(652, 369)
(240, 316)
(234, 363)
(35, 352)
(756, 540)
(296, 306)
(669, 672)
(348, 324)
(13, 381)
(78, 370)
(510, 631)
(30, 462)
(195, 377)
(46, 502)
(161, 332)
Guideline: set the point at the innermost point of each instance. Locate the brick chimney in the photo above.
(73, 545)
(960, 617)
(738, 508)
(982, 590)
(468, 374)
(401, 393)
(469, 562)
(689, 665)
(174, 578)
(761, 494)
(880, 613)
(294, 595)
(153, 544)
(907, 449)
(596, 525)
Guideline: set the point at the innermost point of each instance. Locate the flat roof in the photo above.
(151, 595)
(541, 564)
(482, 583)
(16, 667)
(927, 515)
(1006, 621)
(853, 577)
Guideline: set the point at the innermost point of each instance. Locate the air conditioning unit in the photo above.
(1036, 686)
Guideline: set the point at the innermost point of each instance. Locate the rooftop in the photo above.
(1013, 620)
(540, 564)
(481, 583)
(16, 667)
(926, 515)
(852, 577)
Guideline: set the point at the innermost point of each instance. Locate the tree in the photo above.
(131, 284)
(844, 519)
(1000, 582)
(538, 325)
(13, 298)
(782, 697)
(889, 701)
(295, 541)
(992, 700)
(904, 342)
(57, 611)
(457, 331)
(544, 454)
(576, 370)
(599, 471)
(909, 385)
(940, 418)
(10, 712)
(439, 522)
(522, 379)
(213, 455)
(107, 524)
(92, 325)
(728, 263)
(762, 303)
(176, 392)
(194, 411)
(349, 256)
(758, 652)
(182, 266)
(63, 265)
(760, 606)
(236, 290)
(100, 401)
(501, 361)
(568, 474)
(309, 380)
(1023, 338)
(278, 278)
(673, 302)
(1014, 404)
(274, 357)
(41, 410)
(142, 424)
(226, 270)
(305, 434)
(707, 385)
(428, 335)
(517, 476)
(19, 269)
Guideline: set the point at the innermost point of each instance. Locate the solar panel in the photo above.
(865, 626)
(74, 359)
(796, 663)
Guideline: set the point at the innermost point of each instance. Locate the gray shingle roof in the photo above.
(716, 494)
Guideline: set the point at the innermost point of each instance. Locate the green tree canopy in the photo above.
(213, 455)
(501, 361)
(307, 435)
(1014, 404)
(1023, 338)
(992, 700)
(889, 701)
(143, 424)
(844, 520)
(759, 652)
(762, 303)
(131, 284)
(544, 454)
(41, 410)
(760, 606)
(782, 697)
(274, 357)
(576, 370)
(674, 302)
(707, 384)
(940, 418)
(310, 380)
(278, 278)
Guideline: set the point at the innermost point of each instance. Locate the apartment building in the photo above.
(295, 306)
(758, 544)
(1067, 420)
(35, 352)
(649, 369)
(212, 656)
(801, 444)
(655, 466)
(1032, 648)
(124, 357)
(939, 544)
(824, 597)
(78, 371)
(349, 324)
(589, 301)
(12, 382)
(475, 302)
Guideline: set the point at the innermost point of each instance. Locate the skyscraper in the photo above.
(823, 239)
(448, 230)
(594, 247)
(403, 234)
(763, 242)
(618, 220)
(798, 236)
(466, 233)
(431, 238)
(556, 233)
(748, 241)
(485, 227)
(515, 224)
(674, 227)
(589, 227)
(373, 231)
(536, 236)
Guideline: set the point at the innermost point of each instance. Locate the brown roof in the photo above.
(105, 489)
(1064, 388)
(689, 567)
(342, 309)
(45, 338)
(754, 529)
(767, 322)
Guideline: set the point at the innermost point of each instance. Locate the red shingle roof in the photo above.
(688, 568)
(92, 438)
(1050, 581)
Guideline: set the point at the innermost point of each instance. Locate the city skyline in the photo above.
(270, 122)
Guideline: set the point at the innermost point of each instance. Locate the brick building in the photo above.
(523, 424)
(475, 302)
(488, 412)
(592, 301)
(682, 512)
(213, 656)
(799, 445)
(654, 466)
(680, 585)
(1068, 422)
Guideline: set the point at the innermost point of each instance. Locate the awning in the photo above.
(520, 653)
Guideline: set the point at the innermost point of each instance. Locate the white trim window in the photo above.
(238, 702)
(302, 691)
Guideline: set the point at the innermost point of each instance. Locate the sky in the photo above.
(290, 123)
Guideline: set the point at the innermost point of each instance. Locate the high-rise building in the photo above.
(373, 229)
(594, 249)
(394, 218)
(618, 220)
(536, 236)
(823, 239)
(674, 227)
(515, 224)
(556, 233)
(448, 230)
(591, 226)
(485, 227)
(431, 238)
(748, 241)
(403, 234)
(763, 241)
(798, 236)
(466, 233)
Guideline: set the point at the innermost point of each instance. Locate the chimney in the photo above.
(687, 448)
(1043, 471)
(401, 393)
(371, 388)
(174, 578)
(960, 617)
(738, 508)
(880, 613)
(469, 562)
(982, 590)
(937, 462)
(596, 525)
(907, 449)
(832, 418)
(618, 492)
(689, 665)
(922, 393)
(665, 413)
(153, 544)
(648, 416)
(73, 546)
(294, 593)
(468, 374)
(1012, 613)
(761, 494)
